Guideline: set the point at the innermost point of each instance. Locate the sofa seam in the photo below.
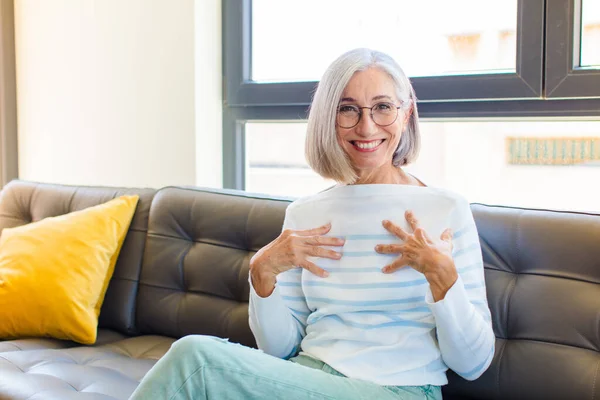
(233, 300)
(163, 235)
(510, 290)
(247, 223)
(29, 208)
(595, 380)
(504, 343)
(12, 363)
(516, 228)
(529, 339)
(71, 199)
(495, 253)
(542, 275)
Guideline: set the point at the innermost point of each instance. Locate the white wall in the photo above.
(209, 87)
(106, 92)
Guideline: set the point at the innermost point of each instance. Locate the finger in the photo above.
(323, 253)
(412, 220)
(324, 241)
(422, 236)
(447, 235)
(321, 230)
(389, 248)
(395, 266)
(307, 265)
(396, 230)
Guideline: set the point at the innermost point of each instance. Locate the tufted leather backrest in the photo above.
(194, 278)
(23, 202)
(543, 284)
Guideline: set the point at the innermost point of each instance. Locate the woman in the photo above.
(357, 298)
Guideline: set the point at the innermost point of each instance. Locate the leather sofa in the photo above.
(183, 270)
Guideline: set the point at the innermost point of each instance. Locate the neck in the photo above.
(389, 175)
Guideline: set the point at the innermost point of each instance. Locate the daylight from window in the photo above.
(447, 41)
(590, 33)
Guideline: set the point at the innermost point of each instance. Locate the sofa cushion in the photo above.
(195, 274)
(110, 371)
(104, 336)
(23, 202)
(543, 284)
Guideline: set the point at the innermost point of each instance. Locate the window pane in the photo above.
(590, 33)
(538, 164)
(275, 162)
(296, 41)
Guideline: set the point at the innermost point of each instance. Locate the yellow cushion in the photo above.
(54, 273)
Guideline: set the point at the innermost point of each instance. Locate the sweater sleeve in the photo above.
(463, 319)
(277, 327)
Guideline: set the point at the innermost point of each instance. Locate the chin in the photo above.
(366, 167)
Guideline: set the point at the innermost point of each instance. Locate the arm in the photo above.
(462, 317)
(277, 328)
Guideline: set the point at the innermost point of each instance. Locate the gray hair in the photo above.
(322, 150)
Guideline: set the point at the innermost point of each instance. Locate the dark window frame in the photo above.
(564, 77)
(524, 83)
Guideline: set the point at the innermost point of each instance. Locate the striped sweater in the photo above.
(383, 328)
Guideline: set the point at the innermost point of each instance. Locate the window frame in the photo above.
(564, 77)
(524, 83)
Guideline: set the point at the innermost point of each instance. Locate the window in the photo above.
(494, 84)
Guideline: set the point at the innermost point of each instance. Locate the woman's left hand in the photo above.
(419, 251)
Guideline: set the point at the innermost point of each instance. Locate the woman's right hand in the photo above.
(290, 250)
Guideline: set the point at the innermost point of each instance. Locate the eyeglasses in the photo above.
(383, 114)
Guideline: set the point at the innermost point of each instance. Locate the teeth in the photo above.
(369, 145)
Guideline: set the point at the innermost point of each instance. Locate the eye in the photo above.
(348, 109)
(383, 107)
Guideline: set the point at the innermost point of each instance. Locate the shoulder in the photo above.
(302, 203)
(458, 199)
(460, 209)
(457, 207)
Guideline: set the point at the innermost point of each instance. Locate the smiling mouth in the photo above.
(367, 146)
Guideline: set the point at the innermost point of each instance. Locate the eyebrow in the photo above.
(380, 97)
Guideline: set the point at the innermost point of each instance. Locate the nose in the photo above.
(366, 126)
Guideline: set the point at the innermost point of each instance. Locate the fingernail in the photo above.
(385, 221)
(325, 274)
(339, 255)
(385, 270)
(377, 248)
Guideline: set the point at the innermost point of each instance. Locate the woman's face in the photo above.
(370, 146)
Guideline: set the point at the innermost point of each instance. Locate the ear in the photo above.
(408, 113)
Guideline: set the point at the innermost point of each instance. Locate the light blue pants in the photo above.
(206, 367)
